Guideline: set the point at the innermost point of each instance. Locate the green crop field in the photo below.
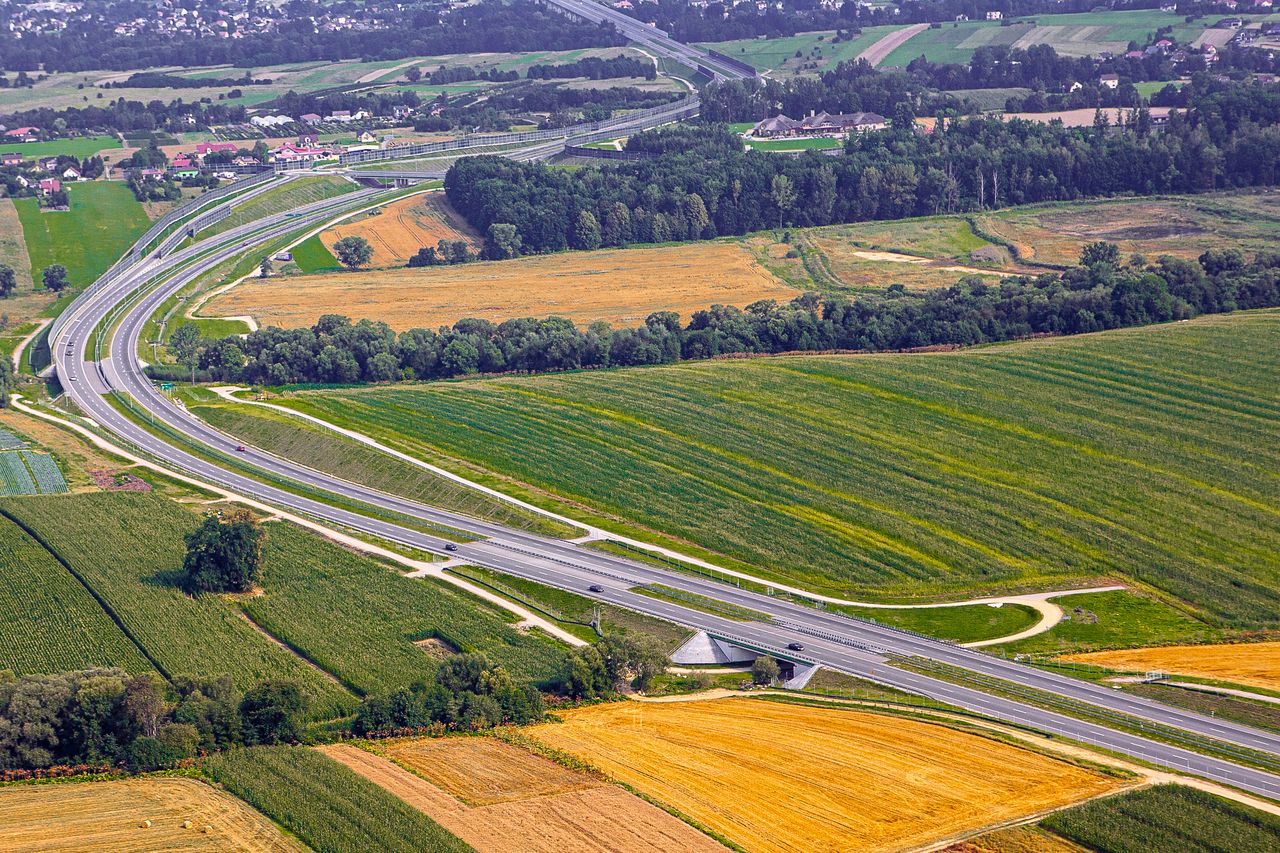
(48, 620)
(1167, 817)
(288, 196)
(127, 549)
(1147, 453)
(359, 620)
(778, 55)
(103, 222)
(330, 807)
(79, 146)
(312, 255)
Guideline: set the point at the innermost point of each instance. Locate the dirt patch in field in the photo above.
(110, 816)
(436, 647)
(541, 816)
(400, 229)
(621, 286)
(1254, 664)
(849, 780)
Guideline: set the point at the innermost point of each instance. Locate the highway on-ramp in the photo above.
(855, 646)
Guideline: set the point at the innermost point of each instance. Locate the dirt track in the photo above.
(880, 51)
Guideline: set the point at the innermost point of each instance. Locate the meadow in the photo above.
(1145, 453)
(326, 805)
(778, 55)
(77, 146)
(1167, 817)
(108, 816)
(312, 256)
(1109, 620)
(102, 223)
(871, 782)
(1254, 664)
(490, 794)
(289, 196)
(621, 286)
(398, 230)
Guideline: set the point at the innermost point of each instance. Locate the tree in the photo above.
(264, 268)
(8, 381)
(353, 251)
(764, 670)
(269, 713)
(55, 278)
(414, 74)
(1101, 252)
(8, 281)
(502, 241)
(586, 233)
(184, 344)
(224, 554)
(782, 192)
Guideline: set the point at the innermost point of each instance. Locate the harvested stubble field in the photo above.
(622, 286)
(1255, 664)
(844, 780)
(400, 229)
(109, 816)
(1147, 452)
(500, 799)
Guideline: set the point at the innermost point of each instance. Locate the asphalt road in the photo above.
(849, 645)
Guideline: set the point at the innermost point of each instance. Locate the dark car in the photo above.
(595, 587)
(451, 547)
(240, 448)
(796, 647)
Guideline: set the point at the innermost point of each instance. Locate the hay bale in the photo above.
(186, 824)
(146, 824)
(206, 828)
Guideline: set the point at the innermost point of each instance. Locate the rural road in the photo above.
(850, 645)
(879, 52)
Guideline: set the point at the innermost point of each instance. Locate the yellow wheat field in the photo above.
(775, 777)
(398, 230)
(538, 808)
(621, 286)
(107, 817)
(1255, 664)
(1020, 839)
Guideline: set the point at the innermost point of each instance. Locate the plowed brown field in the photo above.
(1255, 664)
(622, 286)
(537, 811)
(400, 229)
(107, 817)
(774, 777)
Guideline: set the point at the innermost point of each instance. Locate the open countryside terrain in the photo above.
(102, 816)
(501, 799)
(1143, 453)
(779, 777)
(620, 286)
(398, 230)
(1256, 664)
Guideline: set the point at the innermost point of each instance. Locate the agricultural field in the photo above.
(359, 620)
(78, 458)
(102, 223)
(400, 229)
(326, 805)
(13, 249)
(1254, 664)
(621, 286)
(911, 475)
(1167, 817)
(778, 56)
(313, 256)
(93, 816)
(126, 548)
(493, 795)
(78, 146)
(871, 782)
(287, 196)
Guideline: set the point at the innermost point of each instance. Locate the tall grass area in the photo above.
(312, 255)
(1148, 453)
(102, 223)
(331, 808)
(288, 196)
(1167, 817)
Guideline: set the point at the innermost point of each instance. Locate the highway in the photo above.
(850, 645)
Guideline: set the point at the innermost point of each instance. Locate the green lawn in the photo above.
(312, 255)
(103, 222)
(961, 624)
(1149, 453)
(78, 146)
(1108, 620)
(796, 144)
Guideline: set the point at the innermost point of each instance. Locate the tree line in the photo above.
(595, 68)
(498, 110)
(1101, 293)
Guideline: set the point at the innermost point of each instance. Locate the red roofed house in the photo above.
(10, 159)
(25, 134)
(205, 148)
(50, 185)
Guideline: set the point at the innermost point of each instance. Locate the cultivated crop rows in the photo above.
(45, 472)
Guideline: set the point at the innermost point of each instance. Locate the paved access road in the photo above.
(849, 645)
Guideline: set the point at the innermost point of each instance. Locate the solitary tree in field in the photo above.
(353, 251)
(55, 278)
(224, 554)
(8, 281)
(414, 74)
(1101, 252)
(764, 670)
(264, 268)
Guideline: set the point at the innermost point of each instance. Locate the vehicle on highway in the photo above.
(796, 647)
(240, 448)
(595, 587)
(451, 547)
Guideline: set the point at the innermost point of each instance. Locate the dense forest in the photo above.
(1104, 292)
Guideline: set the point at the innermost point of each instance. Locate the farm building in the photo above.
(819, 124)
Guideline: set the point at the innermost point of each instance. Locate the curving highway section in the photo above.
(855, 646)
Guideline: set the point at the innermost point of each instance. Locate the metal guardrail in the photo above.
(678, 109)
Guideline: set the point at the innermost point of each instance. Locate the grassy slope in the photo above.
(358, 619)
(1107, 620)
(48, 620)
(962, 624)
(295, 194)
(328, 806)
(103, 221)
(311, 255)
(1144, 452)
(127, 547)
